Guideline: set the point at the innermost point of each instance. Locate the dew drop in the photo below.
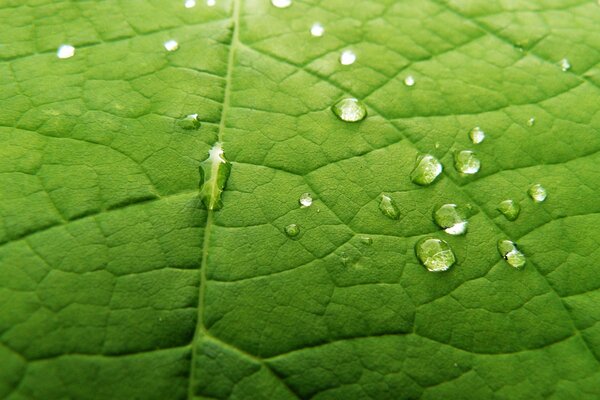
(281, 3)
(189, 122)
(292, 230)
(508, 250)
(190, 3)
(388, 207)
(564, 64)
(466, 163)
(435, 254)
(531, 121)
(349, 110)
(211, 3)
(427, 169)
(305, 200)
(344, 258)
(214, 172)
(65, 51)
(317, 30)
(509, 209)
(171, 45)
(366, 240)
(347, 57)
(537, 193)
(409, 80)
(477, 135)
(451, 218)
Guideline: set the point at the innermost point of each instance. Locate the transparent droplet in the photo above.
(349, 110)
(344, 258)
(427, 169)
(347, 57)
(509, 209)
(65, 51)
(171, 45)
(317, 30)
(189, 122)
(214, 172)
(477, 135)
(409, 80)
(435, 254)
(451, 218)
(292, 230)
(564, 64)
(190, 3)
(531, 121)
(211, 3)
(466, 163)
(281, 3)
(305, 200)
(508, 250)
(537, 193)
(366, 240)
(388, 207)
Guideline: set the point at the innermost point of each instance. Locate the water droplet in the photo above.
(564, 64)
(65, 51)
(171, 45)
(435, 254)
(366, 240)
(466, 163)
(190, 3)
(345, 258)
(292, 230)
(537, 193)
(349, 110)
(531, 121)
(305, 200)
(509, 209)
(409, 80)
(214, 172)
(477, 135)
(427, 169)
(211, 3)
(388, 207)
(281, 3)
(508, 250)
(347, 57)
(317, 30)
(189, 122)
(451, 218)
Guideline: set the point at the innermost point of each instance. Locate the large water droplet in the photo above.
(189, 122)
(214, 172)
(564, 64)
(281, 3)
(388, 207)
(347, 57)
(190, 3)
(477, 135)
(317, 30)
(171, 45)
(509, 209)
(427, 169)
(537, 193)
(349, 110)
(409, 80)
(292, 230)
(435, 254)
(65, 51)
(305, 200)
(466, 163)
(451, 218)
(508, 250)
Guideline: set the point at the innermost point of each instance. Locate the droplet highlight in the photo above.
(171, 45)
(427, 169)
(292, 230)
(211, 3)
(214, 172)
(477, 135)
(509, 252)
(451, 218)
(466, 163)
(537, 193)
(349, 110)
(435, 254)
(409, 80)
(347, 57)
(189, 122)
(281, 3)
(388, 207)
(317, 30)
(65, 51)
(305, 200)
(531, 121)
(510, 209)
(564, 64)
(189, 3)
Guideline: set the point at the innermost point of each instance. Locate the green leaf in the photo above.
(117, 283)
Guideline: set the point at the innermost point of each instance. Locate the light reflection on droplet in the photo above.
(317, 30)
(190, 3)
(65, 51)
(347, 57)
(171, 45)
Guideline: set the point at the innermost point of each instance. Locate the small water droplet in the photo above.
(388, 207)
(564, 64)
(305, 200)
(366, 240)
(344, 258)
(451, 218)
(531, 121)
(509, 209)
(409, 80)
(347, 57)
(427, 169)
(317, 30)
(537, 193)
(437, 145)
(211, 3)
(189, 122)
(214, 172)
(435, 254)
(292, 230)
(349, 110)
(466, 163)
(508, 250)
(281, 3)
(65, 51)
(477, 135)
(190, 3)
(171, 45)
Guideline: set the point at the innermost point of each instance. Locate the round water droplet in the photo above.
(189, 122)
(466, 163)
(427, 169)
(65, 51)
(435, 254)
(564, 64)
(347, 57)
(171, 45)
(366, 240)
(292, 230)
(281, 3)
(508, 250)
(537, 193)
(349, 110)
(388, 207)
(190, 3)
(451, 218)
(317, 30)
(477, 135)
(531, 121)
(211, 3)
(509, 209)
(409, 80)
(305, 200)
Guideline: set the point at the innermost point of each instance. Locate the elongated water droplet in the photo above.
(305, 200)
(531, 121)
(564, 64)
(317, 30)
(466, 163)
(388, 207)
(435, 254)
(214, 172)
(537, 193)
(281, 3)
(189, 122)
(292, 230)
(427, 169)
(190, 3)
(65, 51)
(347, 57)
(508, 250)
(366, 240)
(477, 135)
(509, 209)
(171, 45)
(451, 218)
(349, 110)
(409, 80)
